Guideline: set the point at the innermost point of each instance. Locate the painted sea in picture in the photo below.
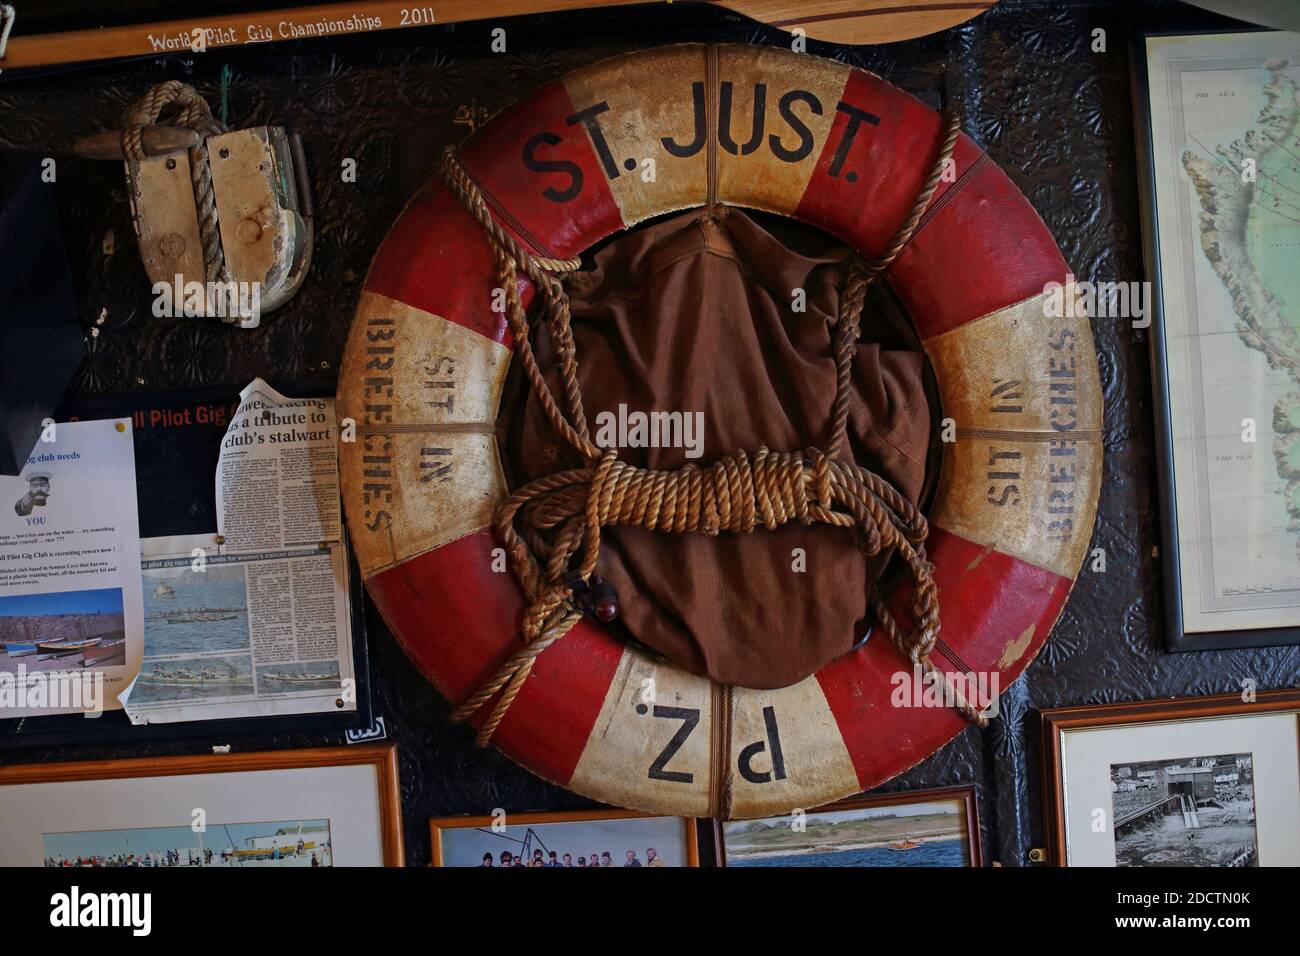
(188, 612)
(940, 853)
(912, 833)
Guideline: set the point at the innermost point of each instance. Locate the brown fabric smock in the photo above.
(694, 314)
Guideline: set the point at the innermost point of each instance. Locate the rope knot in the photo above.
(543, 608)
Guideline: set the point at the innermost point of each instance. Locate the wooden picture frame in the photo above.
(1178, 636)
(438, 825)
(830, 21)
(1057, 722)
(382, 758)
(966, 794)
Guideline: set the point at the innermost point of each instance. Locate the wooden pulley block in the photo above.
(263, 218)
(231, 240)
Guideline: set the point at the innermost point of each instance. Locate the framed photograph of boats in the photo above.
(1219, 151)
(921, 828)
(329, 806)
(1197, 781)
(580, 839)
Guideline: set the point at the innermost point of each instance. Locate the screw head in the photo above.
(248, 231)
(172, 245)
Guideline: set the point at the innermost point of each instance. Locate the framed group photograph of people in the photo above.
(1218, 135)
(578, 839)
(921, 828)
(329, 806)
(1211, 781)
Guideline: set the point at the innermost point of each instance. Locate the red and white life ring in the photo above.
(840, 150)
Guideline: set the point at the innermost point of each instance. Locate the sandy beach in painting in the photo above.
(824, 847)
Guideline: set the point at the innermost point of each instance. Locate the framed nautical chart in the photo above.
(1218, 138)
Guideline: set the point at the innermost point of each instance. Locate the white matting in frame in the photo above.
(337, 804)
(1089, 756)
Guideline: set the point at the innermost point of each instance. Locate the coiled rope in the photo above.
(562, 514)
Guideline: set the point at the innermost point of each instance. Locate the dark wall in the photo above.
(1055, 115)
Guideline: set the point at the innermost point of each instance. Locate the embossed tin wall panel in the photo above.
(1053, 113)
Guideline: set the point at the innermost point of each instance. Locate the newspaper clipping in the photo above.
(278, 478)
(255, 621)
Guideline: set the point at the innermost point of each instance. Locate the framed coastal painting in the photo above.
(921, 828)
(1203, 781)
(330, 806)
(582, 839)
(1219, 148)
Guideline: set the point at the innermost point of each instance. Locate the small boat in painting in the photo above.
(66, 646)
(904, 845)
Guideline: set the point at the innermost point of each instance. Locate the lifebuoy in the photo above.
(840, 150)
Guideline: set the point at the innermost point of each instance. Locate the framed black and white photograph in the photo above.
(1203, 782)
(1218, 135)
(1184, 811)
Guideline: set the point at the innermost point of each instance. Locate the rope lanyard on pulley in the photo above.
(563, 513)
